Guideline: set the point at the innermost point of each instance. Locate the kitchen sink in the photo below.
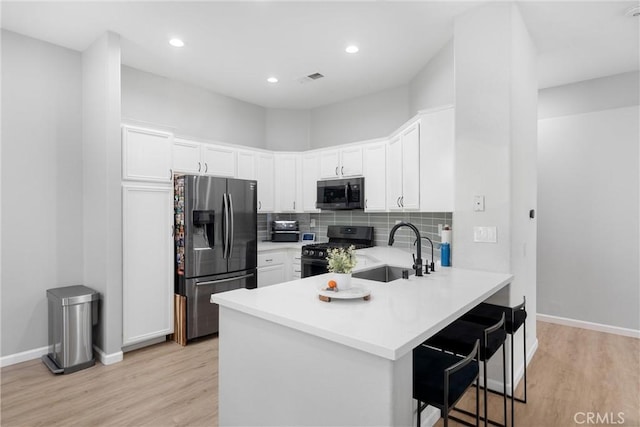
(385, 273)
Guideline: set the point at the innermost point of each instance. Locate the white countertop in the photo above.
(398, 317)
(272, 246)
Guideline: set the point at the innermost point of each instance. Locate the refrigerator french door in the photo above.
(216, 244)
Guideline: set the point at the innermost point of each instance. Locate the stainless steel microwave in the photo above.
(339, 194)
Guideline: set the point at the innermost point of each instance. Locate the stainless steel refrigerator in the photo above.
(216, 244)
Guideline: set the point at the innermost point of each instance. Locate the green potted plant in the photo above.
(341, 263)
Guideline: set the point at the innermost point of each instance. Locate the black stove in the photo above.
(314, 257)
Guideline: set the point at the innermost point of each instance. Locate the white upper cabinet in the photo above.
(310, 176)
(265, 175)
(246, 164)
(146, 155)
(218, 161)
(341, 163)
(436, 151)
(186, 157)
(286, 182)
(374, 158)
(403, 170)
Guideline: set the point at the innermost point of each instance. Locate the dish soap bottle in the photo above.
(445, 254)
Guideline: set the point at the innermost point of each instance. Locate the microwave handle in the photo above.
(346, 193)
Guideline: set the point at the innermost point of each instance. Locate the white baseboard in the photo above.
(429, 416)
(108, 359)
(616, 330)
(25, 356)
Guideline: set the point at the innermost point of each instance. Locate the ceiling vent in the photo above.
(310, 78)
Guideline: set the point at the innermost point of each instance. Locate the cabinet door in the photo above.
(351, 161)
(186, 157)
(310, 176)
(146, 155)
(375, 177)
(265, 177)
(147, 267)
(394, 173)
(330, 164)
(219, 161)
(246, 165)
(436, 150)
(411, 168)
(271, 275)
(286, 185)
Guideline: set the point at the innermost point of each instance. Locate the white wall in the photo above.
(366, 117)
(287, 130)
(190, 111)
(101, 174)
(588, 230)
(42, 242)
(433, 86)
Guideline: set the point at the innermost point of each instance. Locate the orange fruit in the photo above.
(332, 284)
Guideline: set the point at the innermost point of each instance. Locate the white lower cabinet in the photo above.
(147, 267)
(296, 265)
(271, 268)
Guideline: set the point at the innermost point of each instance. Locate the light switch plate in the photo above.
(485, 234)
(478, 203)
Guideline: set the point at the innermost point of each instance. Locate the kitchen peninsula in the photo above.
(287, 358)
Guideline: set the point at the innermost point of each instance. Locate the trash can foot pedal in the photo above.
(52, 365)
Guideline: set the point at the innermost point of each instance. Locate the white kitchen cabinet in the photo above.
(246, 165)
(437, 160)
(286, 177)
(296, 264)
(218, 161)
(147, 263)
(341, 163)
(403, 170)
(265, 175)
(375, 179)
(272, 268)
(186, 157)
(310, 176)
(146, 155)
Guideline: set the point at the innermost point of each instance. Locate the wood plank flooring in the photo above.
(574, 370)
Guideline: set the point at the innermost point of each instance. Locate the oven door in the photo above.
(312, 267)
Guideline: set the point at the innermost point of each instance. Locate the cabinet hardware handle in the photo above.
(259, 205)
(268, 260)
(199, 166)
(294, 206)
(336, 170)
(206, 167)
(170, 173)
(173, 231)
(366, 203)
(398, 202)
(342, 170)
(402, 201)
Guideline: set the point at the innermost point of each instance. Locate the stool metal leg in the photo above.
(504, 382)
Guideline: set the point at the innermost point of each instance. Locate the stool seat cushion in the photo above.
(489, 314)
(461, 335)
(428, 376)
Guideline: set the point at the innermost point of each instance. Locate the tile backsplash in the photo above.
(382, 223)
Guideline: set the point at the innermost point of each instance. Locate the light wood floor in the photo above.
(574, 370)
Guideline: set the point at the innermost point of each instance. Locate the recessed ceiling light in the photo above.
(352, 49)
(272, 80)
(176, 42)
(633, 11)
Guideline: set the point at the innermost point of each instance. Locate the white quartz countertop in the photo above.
(398, 317)
(272, 246)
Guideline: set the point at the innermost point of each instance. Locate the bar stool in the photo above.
(460, 336)
(486, 314)
(440, 379)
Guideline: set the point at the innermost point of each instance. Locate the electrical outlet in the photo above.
(485, 234)
(312, 223)
(478, 203)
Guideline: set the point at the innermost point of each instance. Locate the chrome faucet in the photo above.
(417, 260)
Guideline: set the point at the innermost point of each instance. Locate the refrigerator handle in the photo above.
(225, 235)
(232, 234)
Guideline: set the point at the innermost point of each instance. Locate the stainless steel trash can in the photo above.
(73, 311)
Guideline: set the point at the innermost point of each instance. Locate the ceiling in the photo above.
(232, 47)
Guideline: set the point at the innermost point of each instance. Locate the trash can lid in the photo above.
(70, 295)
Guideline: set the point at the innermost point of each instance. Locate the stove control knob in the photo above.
(305, 252)
(312, 252)
(320, 254)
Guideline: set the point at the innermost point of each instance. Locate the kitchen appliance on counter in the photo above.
(340, 194)
(285, 231)
(314, 257)
(216, 244)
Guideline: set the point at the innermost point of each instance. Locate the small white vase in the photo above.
(343, 280)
